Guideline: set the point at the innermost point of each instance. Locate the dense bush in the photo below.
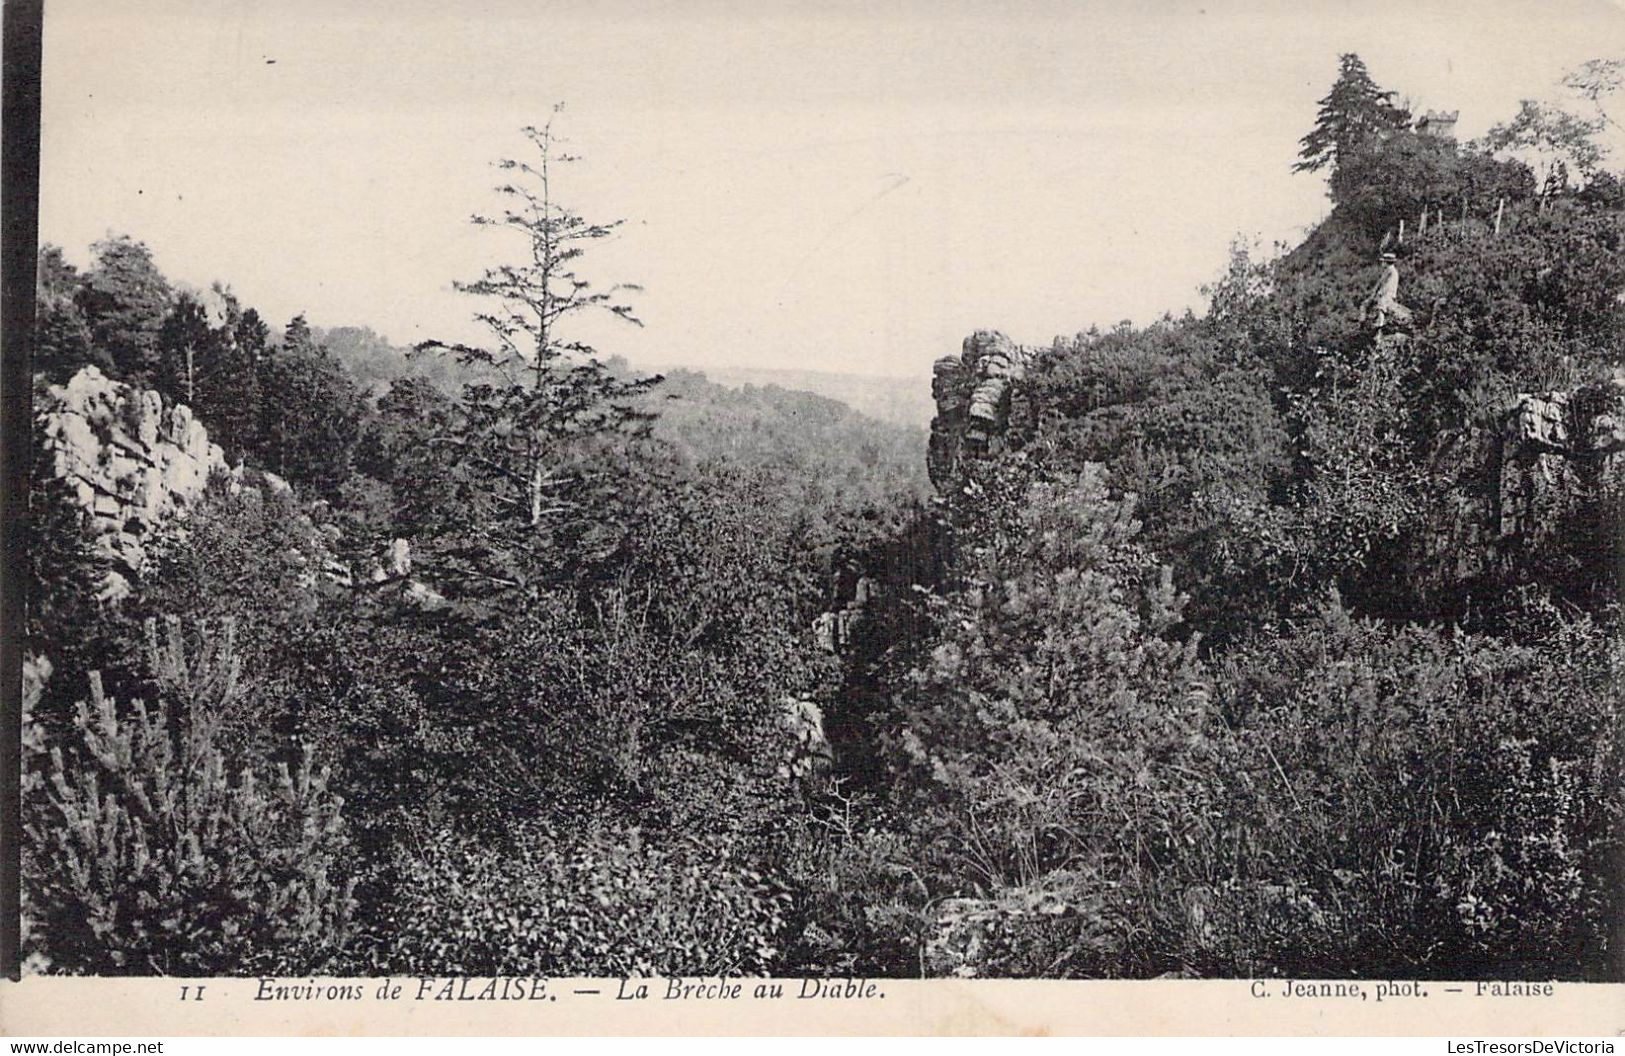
(601, 901)
(1044, 741)
(1050, 698)
(1186, 422)
(1413, 800)
(861, 906)
(150, 852)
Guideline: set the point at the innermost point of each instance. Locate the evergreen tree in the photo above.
(125, 300)
(1051, 702)
(227, 382)
(62, 340)
(1351, 114)
(312, 411)
(529, 450)
(397, 451)
(154, 851)
(251, 334)
(186, 342)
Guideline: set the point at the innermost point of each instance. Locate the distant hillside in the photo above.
(900, 399)
(863, 434)
(801, 438)
(897, 399)
(376, 363)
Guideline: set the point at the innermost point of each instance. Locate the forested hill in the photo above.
(898, 399)
(804, 438)
(375, 362)
(821, 448)
(830, 432)
(1286, 637)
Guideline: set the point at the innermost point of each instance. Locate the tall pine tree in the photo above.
(62, 338)
(1353, 113)
(228, 396)
(537, 453)
(312, 412)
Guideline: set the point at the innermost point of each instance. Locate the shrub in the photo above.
(1361, 484)
(1041, 743)
(146, 853)
(603, 902)
(861, 901)
(1184, 417)
(1412, 801)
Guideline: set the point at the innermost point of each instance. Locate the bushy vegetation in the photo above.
(604, 902)
(1415, 799)
(1216, 661)
(1308, 710)
(150, 855)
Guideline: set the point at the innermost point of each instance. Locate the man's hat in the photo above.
(1388, 257)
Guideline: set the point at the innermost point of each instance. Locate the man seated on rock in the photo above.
(1383, 305)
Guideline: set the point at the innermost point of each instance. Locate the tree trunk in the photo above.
(536, 493)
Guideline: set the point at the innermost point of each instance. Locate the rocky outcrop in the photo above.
(974, 392)
(131, 463)
(837, 630)
(807, 750)
(137, 468)
(975, 937)
(1557, 447)
(979, 399)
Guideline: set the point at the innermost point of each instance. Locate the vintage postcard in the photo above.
(818, 518)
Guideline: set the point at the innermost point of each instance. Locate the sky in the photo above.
(826, 186)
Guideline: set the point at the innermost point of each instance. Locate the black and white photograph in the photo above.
(825, 492)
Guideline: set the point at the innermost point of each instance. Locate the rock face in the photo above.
(132, 465)
(837, 630)
(1557, 446)
(973, 392)
(978, 396)
(137, 468)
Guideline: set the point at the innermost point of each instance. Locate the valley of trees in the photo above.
(1212, 663)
